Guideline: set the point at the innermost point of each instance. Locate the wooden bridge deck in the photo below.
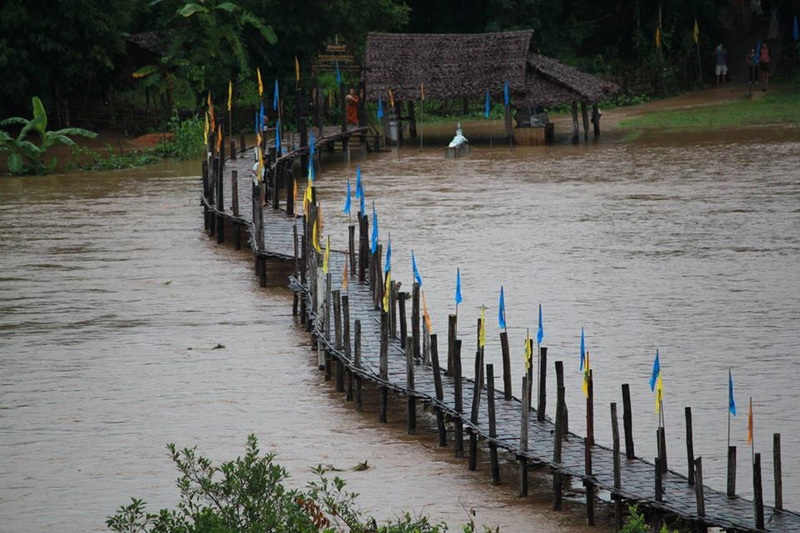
(637, 475)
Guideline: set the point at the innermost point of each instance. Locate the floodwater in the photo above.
(125, 328)
(113, 302)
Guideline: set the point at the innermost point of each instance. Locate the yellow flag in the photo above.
(585, 386)
(750, 423)
(659, 393)
(696, 32)
(425, 313)
(344, 274)
(296, 69)
(205, 131)
(260, 84)
(219, 137)
(294, 193)
(327, 257)
(307, 197)
(387, 289)
(391, 98)
(319, 219)
(658, 37)
(213, 125)
(528, 352)
(315, 237)
(482, 332)
(230, 94)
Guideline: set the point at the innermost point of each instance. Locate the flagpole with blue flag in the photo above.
(417, 277)
(380, 108)
(501, 311)
(278, 143)
(507, 103)
(583, 349)
(347, 200)
(539, 339)
(731, 405)
(374, 247)
(358, 181)
(458, 298)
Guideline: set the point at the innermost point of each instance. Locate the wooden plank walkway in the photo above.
(638, 477)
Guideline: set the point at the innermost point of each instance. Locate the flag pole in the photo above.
(752, 432)
(729, 409)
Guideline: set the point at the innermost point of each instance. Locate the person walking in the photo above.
(722, 63)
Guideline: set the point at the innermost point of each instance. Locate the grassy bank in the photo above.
(781, 105)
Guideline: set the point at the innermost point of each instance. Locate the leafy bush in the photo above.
(27, 157)
(187, 137)
(248, 495)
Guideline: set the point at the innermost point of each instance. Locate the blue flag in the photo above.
(656, 372)
(256, 124)
(363, 209)
(347, 200)
(417, 277)
(380, 108)
(358, 181)
(501, 312)
(459, 299)
(506, 96)
(757, 59)
(278, 137)
(540, 332)
(388, 266)
(583, 349)
(374, 248)
(731, 401)
(338, 75)
(795, 33)
(488, 105)
(275, 99)
(261, 119)
(311, 147)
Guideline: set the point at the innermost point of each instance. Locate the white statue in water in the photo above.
(459, 139)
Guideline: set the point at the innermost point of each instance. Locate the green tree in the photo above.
(26, 156)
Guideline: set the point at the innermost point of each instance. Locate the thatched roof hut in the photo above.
(467, 65)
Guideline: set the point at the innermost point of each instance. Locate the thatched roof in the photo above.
(467, 65)
(451, 65)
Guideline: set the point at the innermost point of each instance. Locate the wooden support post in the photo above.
(262, 271)
(378, 288)
(476, 404)
(777, 470)
(758, 493)
(337, 321)
(731, 472)
(506, 366)
(233, 149)
(560, 384)
(689, 445)
(588, 443)
(523, 476)
(403, 296)
(384, 368)
(662, 447)
(393, 308)
(596, 119)
(452, 328)
(437, 382)
(495, 465)
(585, 114)
(326, 324)
(346, 339)
(618, 521)
(415, 323)
(525, 416)
(558, 440)
(459, 400)
(411, 407)
(576, 134)
(542, 384)
(351, 246)
(590, 410)
(235, 192)
(363, 250)
(627, 421)
(357, 362)
(698, 487)
(412, 125)
(659, 480)
(289, 183)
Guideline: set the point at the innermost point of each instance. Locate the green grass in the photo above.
(778, 106)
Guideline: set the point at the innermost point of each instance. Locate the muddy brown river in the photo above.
(112, 301)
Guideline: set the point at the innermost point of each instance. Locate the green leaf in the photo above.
(39, 112)
(230, 7)
(14, 120)
(75, 131)
(190, 9)
(51, 166)
(266, 31)
(145, 71)
(15, 164)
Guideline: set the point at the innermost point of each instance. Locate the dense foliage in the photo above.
(83, 51)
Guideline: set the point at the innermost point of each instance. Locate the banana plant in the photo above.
(25, 156)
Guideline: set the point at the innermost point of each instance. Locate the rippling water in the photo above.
(112, 301)
(689, 245)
